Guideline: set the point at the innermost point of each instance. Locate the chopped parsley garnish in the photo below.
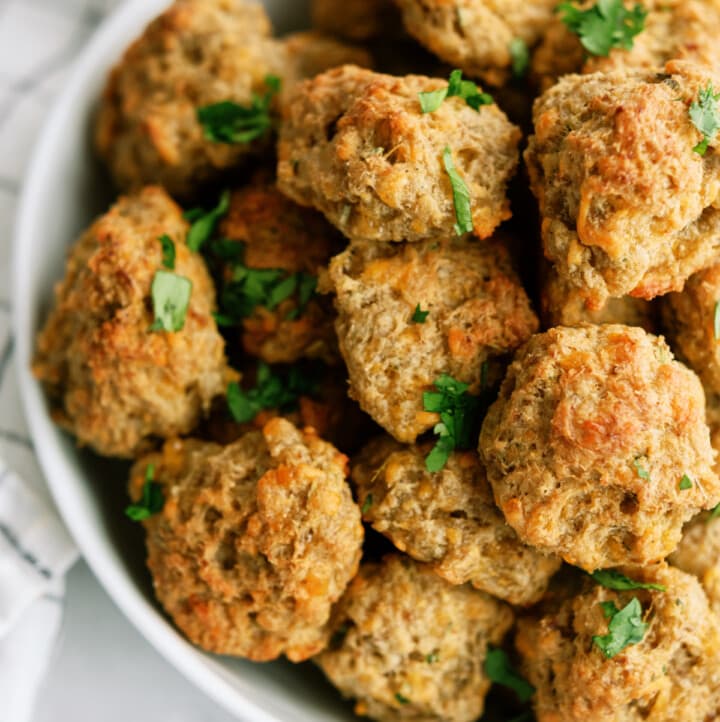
(619, 582)
(461, 196)
(271, 391)
(152, 500)
(431, 100)
(520, 57)
(500, 671)
(459, 419)
(625, 627)
(642, 472)
(420, 316)
(230, 122)
(716, 321)
(367, 505)
(171, 297)
(432, 657)
(606, 25)
(715, 513)
(401, 698)
(686, 483)
(204, 222)
(705, 117)
(168, 251)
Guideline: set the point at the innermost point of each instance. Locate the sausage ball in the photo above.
(114, 382)
(673, 30)
(195, 54)
(699, 554)
(477, 35)
(255, 541)
(276, 235)
(673, 673)
(563, 305)
(410, 646)
(477, 312)
(627, 206)
(597, 447)
(355, 19)
(448, 518)
(356, 145)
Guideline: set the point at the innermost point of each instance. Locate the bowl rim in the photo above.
(194, 665)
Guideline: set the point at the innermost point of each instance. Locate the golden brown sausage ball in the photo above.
(628, 207)
(597, 448)
(114, 382)
(255, 541)
(355, 19)
(476, 35)
(563, 305)
(410, 646)
(673, 673)
(448, 518)
(673, 30)
(699, 554)
(477, 312)
(278, 235)
(356, 145)
(197, 53)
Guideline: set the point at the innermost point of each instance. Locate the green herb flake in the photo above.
(520, 56)
(204, 222)
(715, 513)
(420, 316)
(152, 500)
(431, 100)
(272, 391)
(705, 116)
(686, 483)
(642, 472)
(461, 196)
(500, 671)
(625, 628)
(606, 25)
(168, 251)
(614, 580)
(230, 122)
(367, 505)
(459, 419)
(716, 321)
(401, 698)
(171, 298)
(432, 657)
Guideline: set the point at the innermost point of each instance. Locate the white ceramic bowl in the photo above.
(63, 191)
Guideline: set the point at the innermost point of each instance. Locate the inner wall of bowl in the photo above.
(70, 189)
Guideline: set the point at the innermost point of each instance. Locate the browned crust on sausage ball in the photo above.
(255, 541)
(410, 646)
(478, 311)
(357, 146)
(627, 206)
(113, 382)
(587, 446)
(449, 519)
(672, 674)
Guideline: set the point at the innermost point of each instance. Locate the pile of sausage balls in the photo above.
(384, 347)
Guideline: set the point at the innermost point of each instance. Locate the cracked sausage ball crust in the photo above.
(672, 674)
(627, 206)
(356, 145)
(114, 383)
(255, 541)
(410, 646)
(478, 312)
(356, 19)
(475, 35)
(279, 234)
(589, 441)
(449, 519)
(198, 52)
(673, 30)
